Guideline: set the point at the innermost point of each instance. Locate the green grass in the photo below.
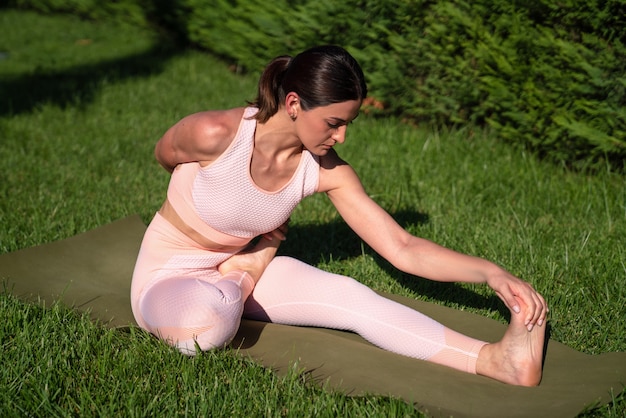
(81, 106)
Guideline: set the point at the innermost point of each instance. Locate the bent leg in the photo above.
(178, 294)
(186, 311)
(294, 293)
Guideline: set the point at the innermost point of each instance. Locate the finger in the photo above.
(544, 310)
(510, 301)
(271, 236)
(540, 307)
(532, 306)
(521, 300)
(276, 234)
(537, 314)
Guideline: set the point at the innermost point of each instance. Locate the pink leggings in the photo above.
(177, 297)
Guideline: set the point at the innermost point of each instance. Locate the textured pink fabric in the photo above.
(186, 311)
(294, 293)
(221, 200)
(178, 295)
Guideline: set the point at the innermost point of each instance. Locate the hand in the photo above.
(279, 233)
(255, 258)
(515, 292)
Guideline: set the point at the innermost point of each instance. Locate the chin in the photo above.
(320, 152)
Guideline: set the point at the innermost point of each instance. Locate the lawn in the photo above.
(81, 107)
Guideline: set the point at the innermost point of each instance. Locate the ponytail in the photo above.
(320, 76)
(270, 91)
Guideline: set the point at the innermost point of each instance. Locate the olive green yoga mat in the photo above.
(92, 271)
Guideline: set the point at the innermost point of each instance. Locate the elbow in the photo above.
(400, 257)
(161, 158)
(409, 255)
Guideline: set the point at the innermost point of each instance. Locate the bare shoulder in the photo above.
(212, 127)
(335, 173)
(202, 137)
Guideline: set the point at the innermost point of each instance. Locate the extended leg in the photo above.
(291, 292)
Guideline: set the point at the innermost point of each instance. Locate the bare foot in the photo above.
(517, 358)
(253, 260)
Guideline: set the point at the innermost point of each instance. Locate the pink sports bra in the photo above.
(221, 200)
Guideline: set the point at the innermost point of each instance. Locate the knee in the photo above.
(218, 336)
(211, 327)
(192, 315)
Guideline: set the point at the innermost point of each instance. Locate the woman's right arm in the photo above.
(415, 255)
(198, 137)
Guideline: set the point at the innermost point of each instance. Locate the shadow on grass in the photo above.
(451, 293)
(79, 85)
(314, 244)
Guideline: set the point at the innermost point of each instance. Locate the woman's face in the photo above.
(321, 128)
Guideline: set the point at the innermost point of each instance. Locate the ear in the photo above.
(292, 103)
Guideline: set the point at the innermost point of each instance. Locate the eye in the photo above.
(335, 123)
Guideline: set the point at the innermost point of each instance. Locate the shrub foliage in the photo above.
(548, 76)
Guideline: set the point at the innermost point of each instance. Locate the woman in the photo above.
(237, 174)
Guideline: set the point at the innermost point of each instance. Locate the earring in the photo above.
(292, 116)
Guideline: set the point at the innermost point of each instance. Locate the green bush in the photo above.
(130, 11)
(531, 83)
(251, 33)
(550, 77)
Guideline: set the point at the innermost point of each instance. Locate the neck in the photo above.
(277, 137)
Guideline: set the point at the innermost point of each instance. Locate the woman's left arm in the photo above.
(416, 255)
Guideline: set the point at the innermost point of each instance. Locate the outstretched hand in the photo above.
(515, 292)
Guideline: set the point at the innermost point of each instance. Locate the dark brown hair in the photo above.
(320, 75)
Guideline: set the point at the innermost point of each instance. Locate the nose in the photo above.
(340, 134)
